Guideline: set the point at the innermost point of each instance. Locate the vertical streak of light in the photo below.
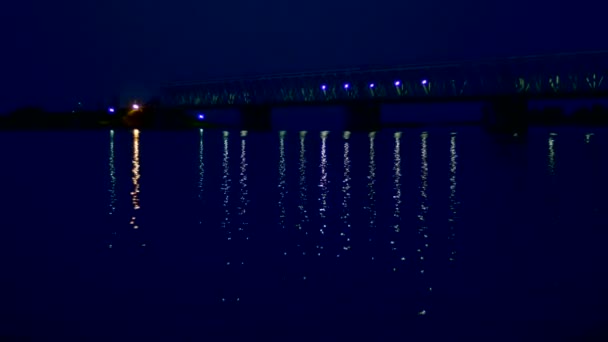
(243, 182)
(397, 192)
(453, 200)
(346, 194)
(422, 230)
(323, 184)
(551, 154)
(226, 184)
(303, 190)
(371, 187)
(112, 168)
(201, 164)
(588, 137)
(135, 177)
(304, 219)
(282, 180)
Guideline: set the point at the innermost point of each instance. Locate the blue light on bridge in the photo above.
(371, 85)
(346, 85)
(424, 82)
(397, 83)
(111, 110)
(323, 87)
(201, 116)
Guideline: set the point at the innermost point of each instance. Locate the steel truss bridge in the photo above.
(542, 76)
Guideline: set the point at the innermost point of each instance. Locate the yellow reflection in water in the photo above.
(135, 177)
(346, 195)
(282, 179)
(226, 183)
(112, 168)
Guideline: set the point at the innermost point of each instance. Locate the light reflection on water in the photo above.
(345, 234)
(244, 200)
(324, 187)
(396, 224)
(282, 180)
(112, 168)
(371, 190)
(201, 164)
(453, 198)
(226, 181)
(135, 178)
(551, 154)
(384, 196)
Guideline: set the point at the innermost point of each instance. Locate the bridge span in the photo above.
(505, 84)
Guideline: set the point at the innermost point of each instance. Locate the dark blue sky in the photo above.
(57, 53)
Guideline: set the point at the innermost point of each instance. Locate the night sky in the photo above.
(56, 53)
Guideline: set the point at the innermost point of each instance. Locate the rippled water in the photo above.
(451, 234)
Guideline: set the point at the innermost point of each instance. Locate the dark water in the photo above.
(317, 236)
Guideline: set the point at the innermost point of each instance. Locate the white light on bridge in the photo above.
(424, 82)
(135, 106)
(201, 116)
(397, 83)
(323, 87)
(346, 85)
(111, 110)
(371, 85)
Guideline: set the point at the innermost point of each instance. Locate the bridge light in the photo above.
(346, 85)
(111, 110)
(135, 106)
(323, 87)
(424, 82)
(201, 116)
(397, 83)
(371, 85)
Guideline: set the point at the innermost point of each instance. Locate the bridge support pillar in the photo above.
(363, 116)
(507, 114)
(256, 117)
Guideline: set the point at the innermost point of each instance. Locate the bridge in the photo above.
(364, 89)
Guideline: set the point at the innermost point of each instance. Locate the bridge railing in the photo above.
(532, 75)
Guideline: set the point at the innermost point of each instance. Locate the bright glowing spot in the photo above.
(397, 83)
(201, 116)
(323, 87)
(424, 82)
(346, 85)
(372, 85)
(135, 106)
(111, 110)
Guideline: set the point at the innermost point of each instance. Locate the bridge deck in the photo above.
(544, 76)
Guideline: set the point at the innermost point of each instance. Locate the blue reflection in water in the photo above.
(453, 199)
(302, 225)
(323, 185)
(396, 222)
(282, 180)
(242, 209)
(201, 165)
(345, 234)
(422, 216)
(551, 154)
(112, 167)
(226, 181)
(371, 191)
